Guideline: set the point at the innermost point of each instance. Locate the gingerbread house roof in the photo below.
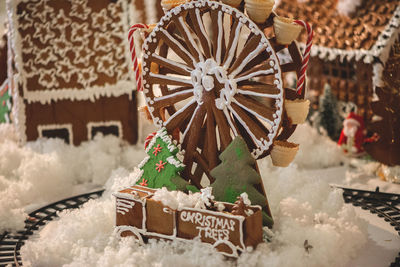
(75, 50)
(366, 34)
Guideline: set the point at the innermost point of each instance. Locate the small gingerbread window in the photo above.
(104, 128)
(60, 131)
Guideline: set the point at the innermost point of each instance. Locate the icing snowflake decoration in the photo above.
(211, 77)
(82, 48)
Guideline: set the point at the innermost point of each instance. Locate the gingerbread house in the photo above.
(70, 69)
(354, 45)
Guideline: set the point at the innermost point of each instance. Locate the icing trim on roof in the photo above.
(380, 49)
(124, 86)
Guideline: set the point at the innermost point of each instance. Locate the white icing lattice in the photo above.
(67, 47)
(202, 71)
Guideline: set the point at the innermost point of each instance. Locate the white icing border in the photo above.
(68, 126)
(143, 231)
(90, 126)
(262, 144)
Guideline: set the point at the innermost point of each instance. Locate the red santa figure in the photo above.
(353, 134)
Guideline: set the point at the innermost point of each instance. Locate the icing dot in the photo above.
(208, 82)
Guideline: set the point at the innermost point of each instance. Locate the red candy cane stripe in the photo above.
(306, 56)
(138, 76)
(148, 139)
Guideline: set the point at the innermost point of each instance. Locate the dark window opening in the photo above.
(62, 133)
(325, 69)
(105, 130)
(335, 73)
(344, 70)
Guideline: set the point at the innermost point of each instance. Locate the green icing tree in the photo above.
(161, 168)
(329, 118)
(236, 174)
(5, 105)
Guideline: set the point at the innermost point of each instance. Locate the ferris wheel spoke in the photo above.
(296, 56)
(172, 98)
(188, 37)
(218, 35)
(233, 43)
(179, 116)
(177, 47)
(277, 47)
(250, 111)
(256, 133)
(255, 120)
(255, 46)
(288, 67)
(189, 124)
(259, 59)
(264, 66)
(212, 147)
(260, 90)
(223, 127)
(169, 80)
(256, 106)
(200, 160)
(195, 16)
(192, 138)
(255, 72)
(170, 64)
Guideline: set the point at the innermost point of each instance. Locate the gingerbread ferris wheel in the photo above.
(210, 73)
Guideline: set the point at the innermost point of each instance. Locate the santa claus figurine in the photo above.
(353, 135)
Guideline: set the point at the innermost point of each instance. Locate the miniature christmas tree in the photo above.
(5, 104)
(329, 118)
(236, 174)
(387, 147)
(161, 167)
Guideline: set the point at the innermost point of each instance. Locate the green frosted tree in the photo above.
(5, 104)
(328, 118)
(236, 174)
(161, 167)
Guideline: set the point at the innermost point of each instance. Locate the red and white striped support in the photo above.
(138, 75)
(148, 139)
(306, 56)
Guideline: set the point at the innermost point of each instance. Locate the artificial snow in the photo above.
(316, 151)
(304, 205)
(177, 200)
(307, 209)
(48, 170)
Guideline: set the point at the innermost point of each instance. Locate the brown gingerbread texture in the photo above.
(386, 149)
(351, 51)
(138, 215)
(223, 101)
(215, 89)
(72, 70)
